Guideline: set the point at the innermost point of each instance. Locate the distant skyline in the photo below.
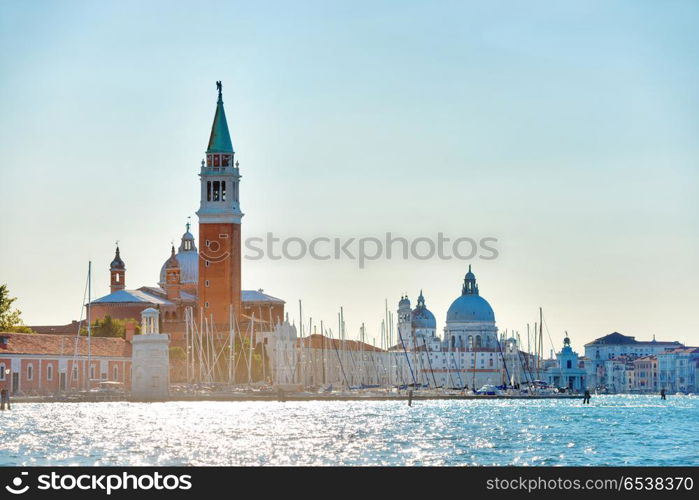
(566, 131)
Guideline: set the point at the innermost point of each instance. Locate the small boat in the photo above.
(488, 390)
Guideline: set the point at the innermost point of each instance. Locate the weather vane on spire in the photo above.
(219, 87)
(188, 223)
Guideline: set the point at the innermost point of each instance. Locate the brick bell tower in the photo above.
(117, 273)
(219, 226)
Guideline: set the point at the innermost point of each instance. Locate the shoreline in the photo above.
(282, 398)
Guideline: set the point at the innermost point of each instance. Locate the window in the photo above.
(92, 372)
(75, 372)
(115, 372)
(206, 283)
(2, 371)
(216, 191)
(206, 304)
(206, 263)
(208, 191)
(116, 278)
(49, 372)
(223, 190)
(569, 364)
(30, 372)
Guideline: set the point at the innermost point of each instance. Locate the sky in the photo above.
(565, 130)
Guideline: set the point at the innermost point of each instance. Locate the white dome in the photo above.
(188, 259)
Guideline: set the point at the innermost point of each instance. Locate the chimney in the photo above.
(129, 330)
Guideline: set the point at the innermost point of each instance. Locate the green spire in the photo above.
(220, 140)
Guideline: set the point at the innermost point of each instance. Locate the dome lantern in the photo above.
(470, 306)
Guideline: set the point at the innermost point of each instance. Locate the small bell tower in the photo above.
(117, 272)
(172, 276)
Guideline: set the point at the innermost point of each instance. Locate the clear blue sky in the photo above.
(568, 130)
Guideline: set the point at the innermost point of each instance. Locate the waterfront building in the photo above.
(324, 361)
(471, 353)
(678, 370)
(615, 345)
(618, 374)
(568, 371)
(42, 364)
(645, 370)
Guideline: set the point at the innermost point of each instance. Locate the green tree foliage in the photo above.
(10, 319)
(110, 327)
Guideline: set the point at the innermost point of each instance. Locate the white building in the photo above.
(678, 370)
(470, 355)
(280, 346)
(567, 372)
(616, 345)
(150, 359)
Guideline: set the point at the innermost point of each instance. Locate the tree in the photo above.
(10, 319)
(109, 327)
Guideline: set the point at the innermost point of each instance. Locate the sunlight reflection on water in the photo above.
(613, 430)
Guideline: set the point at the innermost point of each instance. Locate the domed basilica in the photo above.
(468, 355)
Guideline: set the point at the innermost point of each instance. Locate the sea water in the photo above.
(612, 430)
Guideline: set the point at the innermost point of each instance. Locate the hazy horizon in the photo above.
(568, 132)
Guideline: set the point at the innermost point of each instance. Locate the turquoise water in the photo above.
(613, 430)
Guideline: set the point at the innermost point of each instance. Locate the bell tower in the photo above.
(219, 225)
(117, 273)
(172, 276)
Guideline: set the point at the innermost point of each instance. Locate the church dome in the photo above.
(470, 306)
(423, 317)
(117, 263)
(188, 260)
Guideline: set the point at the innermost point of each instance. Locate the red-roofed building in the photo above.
(42, 364)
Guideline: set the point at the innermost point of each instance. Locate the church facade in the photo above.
(469, 354)
(207, 279)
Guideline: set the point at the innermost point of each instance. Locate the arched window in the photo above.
(478, 341)
(470, 341)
